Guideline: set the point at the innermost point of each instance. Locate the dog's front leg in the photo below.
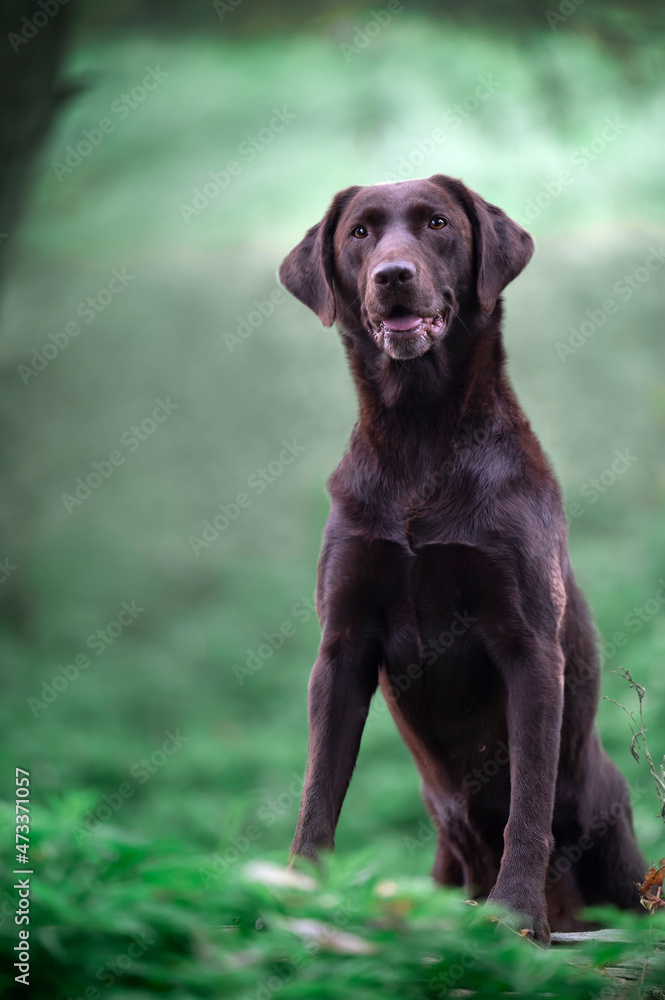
(534, 713)
(343, 680)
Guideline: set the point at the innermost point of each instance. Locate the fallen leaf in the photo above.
(269, 873)
(331, 938)
(654, 877)
(386, 889)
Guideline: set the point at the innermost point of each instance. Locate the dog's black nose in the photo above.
(393, 272)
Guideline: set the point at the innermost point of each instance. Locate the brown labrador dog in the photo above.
(444, 575)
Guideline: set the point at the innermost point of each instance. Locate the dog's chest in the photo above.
(418, 516)
(434, 604)
(445, 685)
(437, 521)
(421, 585)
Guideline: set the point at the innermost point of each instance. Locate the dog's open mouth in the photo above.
(403, 334)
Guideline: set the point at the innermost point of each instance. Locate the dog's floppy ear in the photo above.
(502, 248)
(308, 271)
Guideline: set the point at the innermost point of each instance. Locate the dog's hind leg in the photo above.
(610, 861)
(462, 858)
(447, 868)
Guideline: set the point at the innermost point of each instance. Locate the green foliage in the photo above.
(122, 917)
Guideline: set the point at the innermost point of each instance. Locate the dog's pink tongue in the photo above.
(399, 323)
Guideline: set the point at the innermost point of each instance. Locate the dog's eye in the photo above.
(359, 232)
(437, 222)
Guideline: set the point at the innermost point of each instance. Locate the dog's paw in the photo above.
(305, 857)
(537, 929)
(525, 916)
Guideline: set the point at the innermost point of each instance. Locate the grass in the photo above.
(117, 916)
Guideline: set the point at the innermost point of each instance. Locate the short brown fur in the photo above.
(444, 575)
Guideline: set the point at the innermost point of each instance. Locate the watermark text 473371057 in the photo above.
(22, 884)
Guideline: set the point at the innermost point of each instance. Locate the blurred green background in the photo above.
(361, 95)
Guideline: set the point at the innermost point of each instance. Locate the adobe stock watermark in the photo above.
(565, 10)
(247, 151)
(642, 614)
(594, 488)
(121, 108)
(379, 19)
(473, 782)
(257, 483)
(314, 935)
(97, 642)
(432, 481)
(130, 440)
(141, 772)
(30, 26)
(271, 809)
(624, 288)
(263, 309)
(115, 968)
(7, 569)
(224, 7)
(599, 826)
(302, 611)
(460, 623)
(88, 310)
(448, 980)
(453, 118)
(580, 161)
(634, 621)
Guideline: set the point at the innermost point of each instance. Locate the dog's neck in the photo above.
(458, 386)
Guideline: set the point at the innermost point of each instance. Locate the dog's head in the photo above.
(398, 262)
